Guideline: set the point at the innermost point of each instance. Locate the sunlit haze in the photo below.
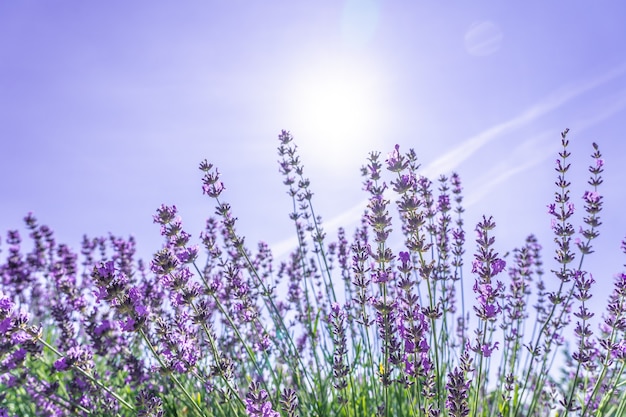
(106, 109)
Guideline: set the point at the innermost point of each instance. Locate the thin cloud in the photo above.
(512, 167)
(607, 111)
(498, 178)
(462, 152)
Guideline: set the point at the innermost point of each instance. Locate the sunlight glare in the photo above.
(335, 113)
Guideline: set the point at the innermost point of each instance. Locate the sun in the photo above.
(335, 111)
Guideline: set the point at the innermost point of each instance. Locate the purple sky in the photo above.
(106, 109)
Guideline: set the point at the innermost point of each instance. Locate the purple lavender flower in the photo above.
(488, 348)
(458, 389)
(76, 356)
(211, 185)
(486, 265)
(149, 404)
(16, 337)
(258, 404)
(340, 350)
(404, 183)
(396, 161)
(289, 402)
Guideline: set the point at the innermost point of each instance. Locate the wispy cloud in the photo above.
(452, 159)
(464, 150)
(513, 166)
(616, 104)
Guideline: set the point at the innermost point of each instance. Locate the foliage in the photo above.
(339, 328)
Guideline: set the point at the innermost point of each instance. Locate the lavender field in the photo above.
(425, 320)
(426, 239)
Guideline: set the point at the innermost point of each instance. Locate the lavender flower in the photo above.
(458, 388)
(289, 402)
(487, 265)
(100, 330)
(340, 344)
(258, 404)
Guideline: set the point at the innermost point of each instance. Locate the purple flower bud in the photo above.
(395, 161)
(61, 365)
(165, 214)
(488, 348)
(591, 197)
(128, 325)
(102, 328)
(497, 266)
(5, 325)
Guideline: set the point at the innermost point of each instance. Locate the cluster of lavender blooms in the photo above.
(377, 325)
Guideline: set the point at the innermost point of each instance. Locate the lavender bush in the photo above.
(343, 327)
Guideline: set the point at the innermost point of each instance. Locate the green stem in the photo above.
(175, 379)
(84, 373)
